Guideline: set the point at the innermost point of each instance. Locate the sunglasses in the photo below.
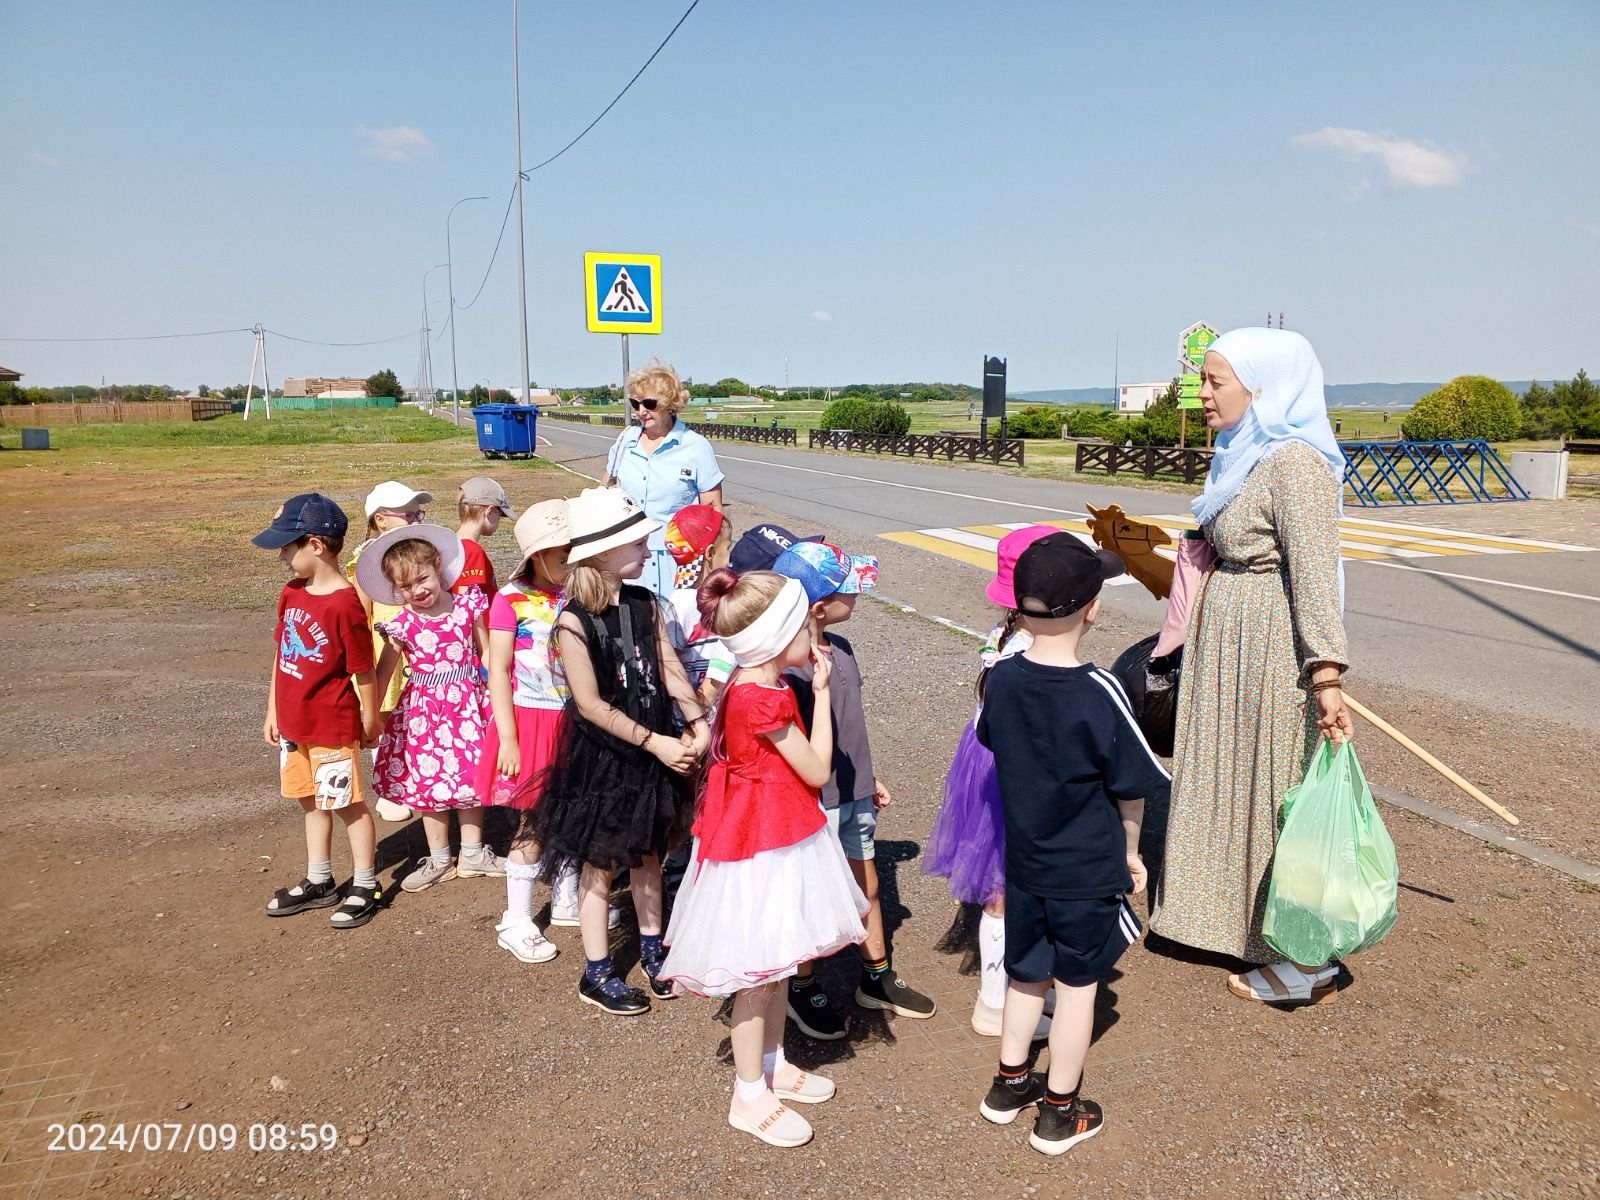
(410, 515)
(648, 403)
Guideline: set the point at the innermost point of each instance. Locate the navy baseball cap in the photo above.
(300, 516)
(759, 548)
(1059, 574)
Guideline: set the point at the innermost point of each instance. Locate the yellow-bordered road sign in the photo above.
(622, 292)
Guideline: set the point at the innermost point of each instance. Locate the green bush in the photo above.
(866, 416)
(1571, 407)
(1037, 421)
(1469, 406)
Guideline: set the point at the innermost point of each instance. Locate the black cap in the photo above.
(1059, 574)
(759, 548)
(300, 516)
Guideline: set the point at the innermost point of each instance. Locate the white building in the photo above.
(1134, 398)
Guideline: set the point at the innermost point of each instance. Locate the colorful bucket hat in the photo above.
(825, 570)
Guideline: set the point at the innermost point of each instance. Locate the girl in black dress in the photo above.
(618, 787)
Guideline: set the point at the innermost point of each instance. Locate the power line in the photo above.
(410, 333)
(618, 96)
(495, 252)
(149, 337)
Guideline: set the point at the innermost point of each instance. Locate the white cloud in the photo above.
(46, 160)
(1589, 227)
(397, 144)
(819, 315)
(1409, 164)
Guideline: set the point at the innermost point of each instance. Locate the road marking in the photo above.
(1505, 583)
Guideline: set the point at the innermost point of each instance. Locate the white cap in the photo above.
(396, 495)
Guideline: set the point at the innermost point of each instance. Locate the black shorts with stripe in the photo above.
(1074, 941)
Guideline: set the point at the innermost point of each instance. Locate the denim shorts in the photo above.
(855, 823)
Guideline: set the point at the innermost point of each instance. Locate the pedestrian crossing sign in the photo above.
(622, 292)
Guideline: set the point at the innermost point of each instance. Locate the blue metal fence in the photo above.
(1428, 473)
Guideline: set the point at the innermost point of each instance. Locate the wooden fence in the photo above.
(762, 434)
(1149, 461)
(920, 445)
(115, 412)
(555, 414)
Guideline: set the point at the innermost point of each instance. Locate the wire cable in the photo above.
(619, 95)
(410, 333)
(493, 255)
(150, 337)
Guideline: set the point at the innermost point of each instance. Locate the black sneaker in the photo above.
(1060, 1127)
(1004, 1102)
(886, 990)
(811, 1010)
(613, 996)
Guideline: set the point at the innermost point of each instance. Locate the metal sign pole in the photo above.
(627, 409)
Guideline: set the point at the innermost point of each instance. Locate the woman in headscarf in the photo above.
(1265, 653)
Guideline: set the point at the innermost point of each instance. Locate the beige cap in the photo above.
(480, 489)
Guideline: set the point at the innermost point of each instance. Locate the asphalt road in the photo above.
(1522, 649)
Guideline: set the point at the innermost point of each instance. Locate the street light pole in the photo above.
(450, 276)
(426, 332)
(526, 387)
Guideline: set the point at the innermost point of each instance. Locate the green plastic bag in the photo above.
(1335, 876)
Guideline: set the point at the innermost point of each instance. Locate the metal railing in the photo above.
(920, 445)
(1427, 473)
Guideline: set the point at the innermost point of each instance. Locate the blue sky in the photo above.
(870, 191)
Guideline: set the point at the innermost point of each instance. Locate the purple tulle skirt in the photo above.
(968, 841)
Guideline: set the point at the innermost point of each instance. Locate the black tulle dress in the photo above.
(606, 802)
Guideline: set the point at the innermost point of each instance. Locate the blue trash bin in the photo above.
(506, 430)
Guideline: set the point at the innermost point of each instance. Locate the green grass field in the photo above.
(351, 426)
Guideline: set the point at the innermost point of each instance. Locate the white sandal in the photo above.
(1285, 985)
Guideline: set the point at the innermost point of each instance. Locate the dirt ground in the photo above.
(142, 983)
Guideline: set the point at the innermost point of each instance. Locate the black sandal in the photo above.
(360, 905)
(311, 895)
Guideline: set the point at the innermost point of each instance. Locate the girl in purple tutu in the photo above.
(968, 844)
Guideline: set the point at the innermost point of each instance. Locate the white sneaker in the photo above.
(390, 811)
(987, 1021)
(522, 937)
(564, 912)
(485, 863)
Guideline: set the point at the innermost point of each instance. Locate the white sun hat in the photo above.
(369, 567)
(602, 518)
(393, 494)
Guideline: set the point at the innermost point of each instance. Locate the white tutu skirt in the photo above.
(737, 925)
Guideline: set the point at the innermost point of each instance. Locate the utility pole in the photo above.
(526, 388)
(450, 276)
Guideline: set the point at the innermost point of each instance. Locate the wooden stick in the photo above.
(1372, 718)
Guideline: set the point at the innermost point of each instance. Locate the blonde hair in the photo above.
(731, 602)
(660, 381)
(406, 559)
(592, 587)
(471, 512)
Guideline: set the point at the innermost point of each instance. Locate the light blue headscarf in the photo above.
(1280, 369)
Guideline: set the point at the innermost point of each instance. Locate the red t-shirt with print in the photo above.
(477, 571)
(322, 641)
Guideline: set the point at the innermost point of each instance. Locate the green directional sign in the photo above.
(1193, 343)
(1188, 391)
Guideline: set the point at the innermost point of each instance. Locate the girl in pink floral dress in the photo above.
(428, 752)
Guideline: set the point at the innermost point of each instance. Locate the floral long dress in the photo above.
(1246, 725)
(428, 754)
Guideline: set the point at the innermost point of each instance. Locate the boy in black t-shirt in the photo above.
(1074, 771)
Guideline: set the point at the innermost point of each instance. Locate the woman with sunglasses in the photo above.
(662, 464)
(389, 506)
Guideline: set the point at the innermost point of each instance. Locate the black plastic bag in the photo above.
(1152, 687)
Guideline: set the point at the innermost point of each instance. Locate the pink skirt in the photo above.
(537, 730)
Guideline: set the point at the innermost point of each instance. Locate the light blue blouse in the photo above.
(683, 466)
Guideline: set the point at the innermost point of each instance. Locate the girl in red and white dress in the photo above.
(768, 887)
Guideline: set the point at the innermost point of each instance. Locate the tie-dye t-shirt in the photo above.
(537, 680)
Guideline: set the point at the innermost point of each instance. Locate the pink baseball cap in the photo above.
(1000, 589)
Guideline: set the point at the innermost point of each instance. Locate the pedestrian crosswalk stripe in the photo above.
(1360, 539)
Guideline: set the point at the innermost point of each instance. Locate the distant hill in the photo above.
(1340, 395)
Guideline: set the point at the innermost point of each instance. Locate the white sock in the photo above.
(565, 888)
(320, 872)
(992, 953)
(748, 1090)
(471, 849)
(520, 878)
(771, 1061)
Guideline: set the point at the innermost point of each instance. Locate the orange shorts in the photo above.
(330, 776)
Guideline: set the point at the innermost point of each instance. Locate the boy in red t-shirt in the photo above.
(479, 506)
(321, 706)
